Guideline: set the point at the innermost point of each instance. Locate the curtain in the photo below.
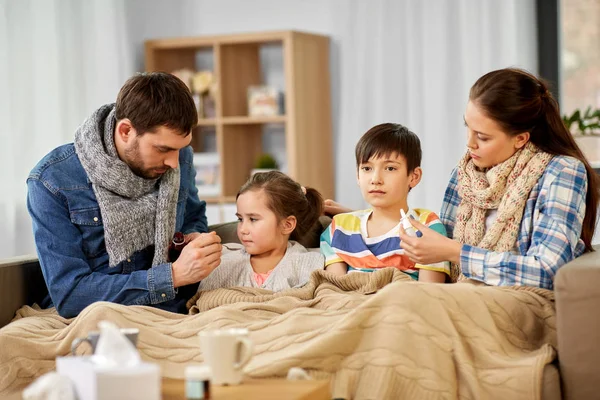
(413, 62)
(59, 60)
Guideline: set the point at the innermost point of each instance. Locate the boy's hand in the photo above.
(197, 260)
(431, 247)
(333, 208)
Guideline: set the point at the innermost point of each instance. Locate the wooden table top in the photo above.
(249, 389)
(263, 389)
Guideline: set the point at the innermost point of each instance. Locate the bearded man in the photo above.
(105, 208)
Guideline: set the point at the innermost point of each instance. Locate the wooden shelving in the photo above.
(238, 137)
(253, 120)
(220, 199)
(207, 122)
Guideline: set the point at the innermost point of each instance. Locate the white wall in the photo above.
(152, 19)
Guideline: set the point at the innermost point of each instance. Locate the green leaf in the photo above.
(587, 121)
(588, 113)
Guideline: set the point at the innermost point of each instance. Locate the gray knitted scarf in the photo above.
(137, 212)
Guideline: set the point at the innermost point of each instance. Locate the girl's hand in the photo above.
(431, 247)
(333, 208)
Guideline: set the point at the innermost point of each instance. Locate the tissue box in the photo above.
(95, 382)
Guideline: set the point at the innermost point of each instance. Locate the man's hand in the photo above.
(191, 236)
(197, 260)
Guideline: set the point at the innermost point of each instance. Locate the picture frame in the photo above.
(264, 101)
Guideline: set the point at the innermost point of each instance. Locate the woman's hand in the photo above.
(332, 208)
(431, 247)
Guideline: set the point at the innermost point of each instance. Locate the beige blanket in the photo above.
(376, 340)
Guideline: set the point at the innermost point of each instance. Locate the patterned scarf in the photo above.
(504, 187)
(136, 212)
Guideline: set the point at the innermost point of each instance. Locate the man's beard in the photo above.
(136, 165)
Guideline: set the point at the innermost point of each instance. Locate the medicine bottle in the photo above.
(197, 382)
(176, 246)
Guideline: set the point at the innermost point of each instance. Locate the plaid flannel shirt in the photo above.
(550, 231)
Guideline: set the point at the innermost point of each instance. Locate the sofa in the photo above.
(577, 293)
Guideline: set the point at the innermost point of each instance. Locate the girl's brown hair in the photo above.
(520, 102)
(285, 198)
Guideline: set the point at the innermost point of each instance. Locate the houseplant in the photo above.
(266, 162)
(585, 128)
(587, 123)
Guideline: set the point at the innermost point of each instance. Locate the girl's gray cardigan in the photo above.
(293, 270)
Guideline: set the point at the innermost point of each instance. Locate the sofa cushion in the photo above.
(21, 282)
(577, 290)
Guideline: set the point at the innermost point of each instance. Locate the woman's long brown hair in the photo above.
(520, 102)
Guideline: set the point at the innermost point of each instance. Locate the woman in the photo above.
(522, 202)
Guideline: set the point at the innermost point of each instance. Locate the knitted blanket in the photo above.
(378, 335)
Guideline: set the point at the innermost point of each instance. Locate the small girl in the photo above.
(271, 210)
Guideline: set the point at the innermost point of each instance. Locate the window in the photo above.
(579, 54)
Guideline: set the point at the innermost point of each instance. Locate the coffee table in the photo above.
(263, 389)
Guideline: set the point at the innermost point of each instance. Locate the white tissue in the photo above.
(114, 349)
(297, 374)
(50, 386)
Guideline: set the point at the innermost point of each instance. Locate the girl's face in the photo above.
(258, 228)
(488, 144)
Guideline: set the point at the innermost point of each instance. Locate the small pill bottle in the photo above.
(197, 382)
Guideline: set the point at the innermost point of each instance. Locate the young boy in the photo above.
(388, 159)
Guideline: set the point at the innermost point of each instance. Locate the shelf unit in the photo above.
(236, 64)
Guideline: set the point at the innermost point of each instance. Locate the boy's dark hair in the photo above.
(387, 139)
(285, 198)
(153, 99)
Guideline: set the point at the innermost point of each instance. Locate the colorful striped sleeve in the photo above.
(331, 256)
(432, 221)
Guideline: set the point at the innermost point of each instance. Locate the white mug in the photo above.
(226, 351)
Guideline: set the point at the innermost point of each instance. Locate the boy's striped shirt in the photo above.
(346, 240)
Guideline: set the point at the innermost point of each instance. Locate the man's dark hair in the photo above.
(154, 99)
(387, 139)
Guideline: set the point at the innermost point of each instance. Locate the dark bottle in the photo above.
(177, 244)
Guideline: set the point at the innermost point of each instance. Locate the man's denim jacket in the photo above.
(69, 236)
